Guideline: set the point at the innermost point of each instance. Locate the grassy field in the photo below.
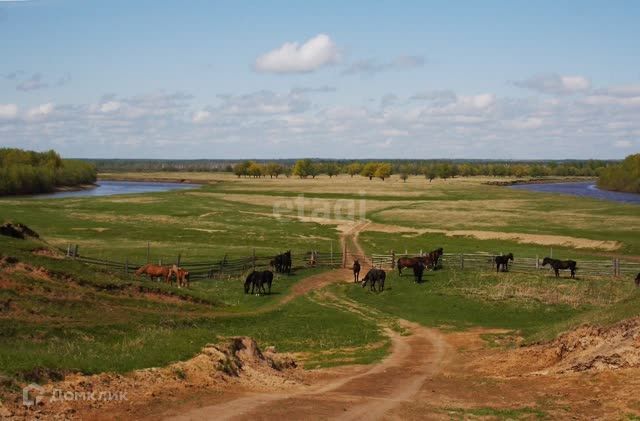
(52, 319)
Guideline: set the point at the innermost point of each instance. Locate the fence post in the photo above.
(69, 250)
(179, 258)
(253, 259)
(461, 261)
(75, 251)
(393, 259)
(537, 262)
(331, 242)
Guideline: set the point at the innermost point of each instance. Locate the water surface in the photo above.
(584, 189)
(110, 188)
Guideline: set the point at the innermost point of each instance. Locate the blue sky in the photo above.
(515, 80)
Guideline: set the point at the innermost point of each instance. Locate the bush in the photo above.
(622, 177)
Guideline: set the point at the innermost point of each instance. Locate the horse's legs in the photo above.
(557, 272)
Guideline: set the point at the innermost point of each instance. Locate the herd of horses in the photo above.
(375, 277)
(168, 273)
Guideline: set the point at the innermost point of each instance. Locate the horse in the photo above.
(418, 270)
(560, 264)
(356, 270)
(503, 261)
(638, 280)
(282, 262)
(154, 271)
(410, 262)
(257, 279)
(373, 277)
(182, 276)
(434, 256)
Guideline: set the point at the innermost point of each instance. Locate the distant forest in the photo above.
(304, 168)
(624, 176)
(29, 172)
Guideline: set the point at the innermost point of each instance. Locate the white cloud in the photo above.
(8, 111)
(201, 116)
(110, 106)
(293, 57)
(40, 111)
(555, 84)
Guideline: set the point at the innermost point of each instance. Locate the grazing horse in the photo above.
(156, 271)
(182, 276)
(560, 264)
(373, 277)
(418, 270)
(503, 261)
(257, 279)
(638, 280)
(434, 256)
(410, 262)
(356, 270)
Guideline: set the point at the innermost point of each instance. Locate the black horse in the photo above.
(503, 261)
(560, 264)
(434, 257)
(257, 280)
(356, 270)
(418, 270)
(282, 262)
(373, 277)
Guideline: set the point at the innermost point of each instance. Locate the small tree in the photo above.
(383, 171)
(242, 168)
(332, 169)
(404, 172)
(369, 170)
(273, 170)
(255, 170)
(303, 168)
(430, 173)
(354, 169)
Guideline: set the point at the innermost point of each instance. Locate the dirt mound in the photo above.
(17, 230)
(587, 348)
(53, 254)
(237, 364)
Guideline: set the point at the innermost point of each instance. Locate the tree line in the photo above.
(623, 177)
(305, 168)
(30, 172)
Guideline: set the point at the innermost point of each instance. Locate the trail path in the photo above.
(351, 393)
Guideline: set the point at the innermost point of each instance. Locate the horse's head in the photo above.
(366, 279)
(546, 261)
(247, 282)
(510, 256)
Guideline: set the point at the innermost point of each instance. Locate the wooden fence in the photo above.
(215, 268)
(227, 267)
(485, 261)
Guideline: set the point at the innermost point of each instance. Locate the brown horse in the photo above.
(411, 262)
(182, 276)
(156, 271)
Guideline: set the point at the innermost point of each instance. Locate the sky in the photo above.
(331, 79)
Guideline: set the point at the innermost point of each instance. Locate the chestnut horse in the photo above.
(154, 271)
(182, 276)
(411, 262)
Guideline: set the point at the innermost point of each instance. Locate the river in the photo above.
(110, 188)
(584, 189)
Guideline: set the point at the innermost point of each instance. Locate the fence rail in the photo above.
(227, 267)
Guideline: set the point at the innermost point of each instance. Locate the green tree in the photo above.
(369, 170)
(332, 169)
(303, 168)
(354, 168)
(383, 171)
